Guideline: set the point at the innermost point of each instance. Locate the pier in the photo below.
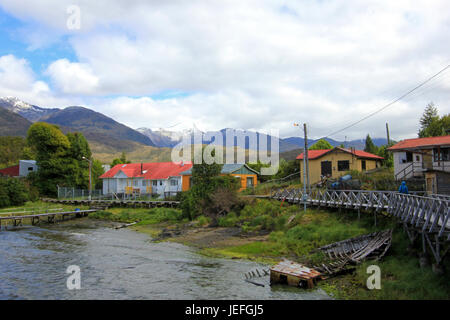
(115, 203)
(424, 217)
(36, 218)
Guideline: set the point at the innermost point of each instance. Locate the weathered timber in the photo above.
(36, 218)
(426, 216)
(116, 203)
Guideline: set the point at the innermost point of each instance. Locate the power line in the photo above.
(390, 103)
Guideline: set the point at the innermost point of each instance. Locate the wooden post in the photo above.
(387, 133)
(307, 159)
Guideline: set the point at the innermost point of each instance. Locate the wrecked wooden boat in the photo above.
(293, 274)
(338, 256)
(354, 250)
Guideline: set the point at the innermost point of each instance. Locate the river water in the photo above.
(121, 264)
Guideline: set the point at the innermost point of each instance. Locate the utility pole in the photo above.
(307, 158)
(305, 155)
(387, 133)
(90, 177)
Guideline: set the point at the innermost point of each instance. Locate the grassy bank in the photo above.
(265, 230)
(269, 231)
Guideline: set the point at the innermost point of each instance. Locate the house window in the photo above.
(173, 182)
(135, 183)
(343, 165)
(190, 182)
(155, 183)
(249, 182)
(417, 158)
(30, 168)
(160, 182)
(441, 155)
(409, 156)
(363, 164)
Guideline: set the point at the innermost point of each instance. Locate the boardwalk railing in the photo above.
(427, 216)
(37, 217)
(117, 203)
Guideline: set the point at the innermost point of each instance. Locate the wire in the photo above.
(390, 103)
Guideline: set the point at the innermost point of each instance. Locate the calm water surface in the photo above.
(121, 264)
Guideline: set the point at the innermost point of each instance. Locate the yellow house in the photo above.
(248, 177)
(336, 162)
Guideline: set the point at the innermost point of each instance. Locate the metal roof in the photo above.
(150, 171)
(421, 142)
(314, 154)
(227, 168)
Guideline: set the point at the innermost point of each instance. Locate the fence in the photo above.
(78, 194)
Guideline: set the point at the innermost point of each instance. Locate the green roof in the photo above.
(237, 168)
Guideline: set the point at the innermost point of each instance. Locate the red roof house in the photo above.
(148, 171)
(414, 157)
(337, 162)
(314, 154)
(155, 177)
(429, 142)
(10, 171)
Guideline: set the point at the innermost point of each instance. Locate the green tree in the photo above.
(211, 194)
(286, 168)
(257, 167)
(14, 192)
(322, 144)
(97, 171)
(121, 160)
(429, 116)
(387, 155)
(51, 147)
(59, 158)
(370, 146)
(11, 149)
(431, 125)
(78, 168)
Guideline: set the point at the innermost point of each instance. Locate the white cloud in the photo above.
(18, 79)
(72, 77)
(251, 64)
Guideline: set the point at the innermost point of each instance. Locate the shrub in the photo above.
(13, 192)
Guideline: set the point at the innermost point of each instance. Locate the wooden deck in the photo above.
(116, 203)
(51, 217)
(424, 216)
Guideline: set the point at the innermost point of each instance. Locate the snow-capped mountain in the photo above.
(31, 112)
(167, 138)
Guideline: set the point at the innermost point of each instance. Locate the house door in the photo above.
(427, 161)
(325, 168)
(430, 185)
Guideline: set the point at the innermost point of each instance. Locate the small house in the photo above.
(248, 177)
(158, 178)
(334, 163)
(414, 157)
(20, 170)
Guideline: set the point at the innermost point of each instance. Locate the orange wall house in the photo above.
(248, 176)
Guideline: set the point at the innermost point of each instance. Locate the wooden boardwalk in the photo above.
(424, 216)
(116, 203)
(51, 217)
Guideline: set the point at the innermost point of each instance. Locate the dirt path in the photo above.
(204, 237)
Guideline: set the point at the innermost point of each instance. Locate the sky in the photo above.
(244, 64)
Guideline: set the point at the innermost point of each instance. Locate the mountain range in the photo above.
(171, 138)
(108, 138)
